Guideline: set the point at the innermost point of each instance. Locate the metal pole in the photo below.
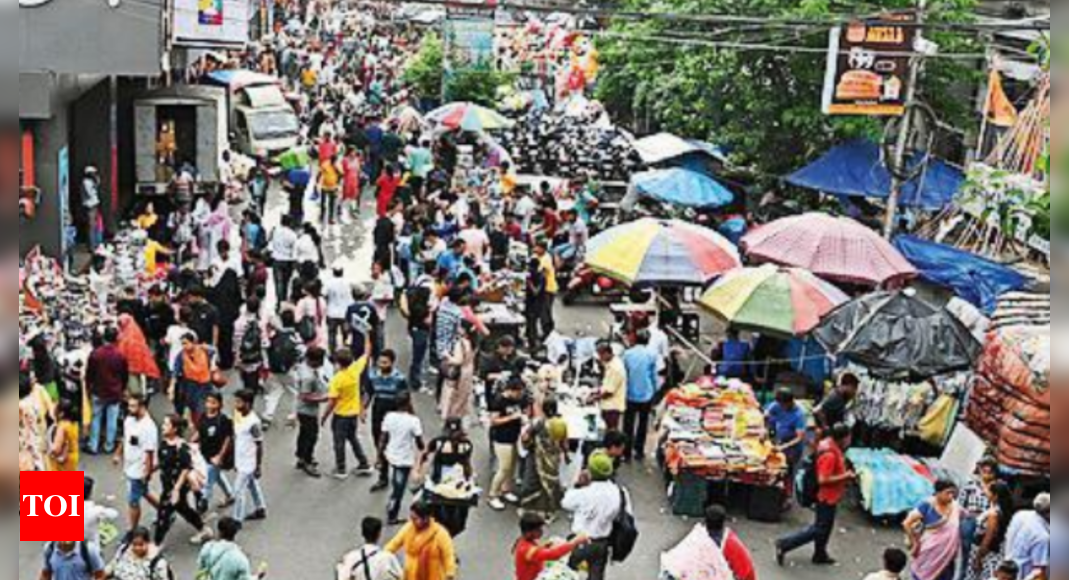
(905, 127)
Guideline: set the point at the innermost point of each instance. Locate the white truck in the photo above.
(262, 121)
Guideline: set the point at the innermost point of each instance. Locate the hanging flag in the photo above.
(1000, 110)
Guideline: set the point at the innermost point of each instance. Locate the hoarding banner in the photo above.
(868, 66)
(211, 23)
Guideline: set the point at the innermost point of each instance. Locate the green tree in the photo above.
(765, 106)
(424, 70)
(479, 85)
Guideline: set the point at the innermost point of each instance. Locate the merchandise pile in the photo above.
(718, 431)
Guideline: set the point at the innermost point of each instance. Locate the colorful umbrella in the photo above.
(784, 301)
(834, 248)
(655, 252)
(408, 119)
(682, 187)
(469, 117)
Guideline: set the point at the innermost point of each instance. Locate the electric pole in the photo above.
(904, 130)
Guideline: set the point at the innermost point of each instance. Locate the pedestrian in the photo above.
(532, 554)
(370, 562)
(95, 515)
(65, 444)
(345, 410)
(312, 385)
(546, 445)
(72, 561)
(363, 323)
(283, 251)
(428, 549)
(107, 374)
(137, 455)
(140, 360)
(215, 437)
(612, 396)
(223, 559)
(975, 504)
(448, 458)
(459, 365)
(330, 183)
(387, 185)
(311, 315)
(994, 524)
(178, 480)
(140, 559)
(734, 357)
(250, 340)
(352, 173)
(835, 408)
(1028, 541)
(387, 387)
(203, 316)
(248, 459)
(641, 365)
(283, 356)
(192, 378)
(552, 288)
(788, 424)
(227, 300)
(447, 330)
(509, 412)
(309, 250)
(895, 562)
(339, 296)
(1008, 570)
(400, 449)
(417, 308)
(833, 478)
(735, 552)
(933, 531)
(94, 220)
(595, 504)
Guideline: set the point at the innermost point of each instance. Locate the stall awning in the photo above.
(855, 169)
(664, 147)
(975, 279)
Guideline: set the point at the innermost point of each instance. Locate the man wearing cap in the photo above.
(91, 203)
(1028, 541)
(595, 504)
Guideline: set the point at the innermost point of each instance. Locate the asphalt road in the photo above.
(313, 522)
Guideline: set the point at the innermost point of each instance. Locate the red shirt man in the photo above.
(735, 552)
(388, 185)
(831, 467)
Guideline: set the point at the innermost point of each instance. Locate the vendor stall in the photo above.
(716, 433)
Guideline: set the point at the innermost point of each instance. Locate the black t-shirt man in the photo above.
(213, 433)
(507, 405)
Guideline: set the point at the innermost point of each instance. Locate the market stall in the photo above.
(714, 434)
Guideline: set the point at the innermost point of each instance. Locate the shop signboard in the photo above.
(869, 65)
(66, 221)
(469, 34)
(211, 24)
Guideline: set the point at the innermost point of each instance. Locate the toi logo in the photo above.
(51, 506)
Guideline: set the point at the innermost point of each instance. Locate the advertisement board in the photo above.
(469, 34)
(868, 66)
(211, 23)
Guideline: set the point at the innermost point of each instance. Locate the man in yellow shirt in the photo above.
(549, 271)
(345, 409)
(613, 394)
(428, 547)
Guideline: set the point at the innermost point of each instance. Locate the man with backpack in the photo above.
(250, 336)
(418, 310)
(824, 481)
(224, 559)
(601, 511)
(283, 355)
(72, 561)
(370, 562)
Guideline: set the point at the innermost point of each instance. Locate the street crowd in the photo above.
(248, 328)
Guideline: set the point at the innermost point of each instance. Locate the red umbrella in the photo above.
(834, 248)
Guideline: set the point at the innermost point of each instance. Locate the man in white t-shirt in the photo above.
(339, 295)
(525, 209)
(370, 562)
(401, 447)
(248, 459)
(137, 455)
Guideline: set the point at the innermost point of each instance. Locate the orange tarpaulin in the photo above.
(1001, 111)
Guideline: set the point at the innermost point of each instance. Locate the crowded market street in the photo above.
(495, 290)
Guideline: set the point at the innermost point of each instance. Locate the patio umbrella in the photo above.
(896, 335)
(782, 301)
(408, 119)
(655, 252)
(682, 187)
(469, 117)
(834, 248)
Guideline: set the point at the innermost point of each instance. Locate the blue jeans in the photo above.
(421, 343)
(969, 527)
(247, 485)
(217, 478)
(819, 533)
(398, 487)
(102, 412)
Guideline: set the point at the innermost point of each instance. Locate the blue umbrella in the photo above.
(682, 187)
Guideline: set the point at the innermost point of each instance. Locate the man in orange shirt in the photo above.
(833, 477)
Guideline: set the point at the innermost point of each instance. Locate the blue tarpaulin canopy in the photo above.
(855, 169)
(682, 187)
(975, 279)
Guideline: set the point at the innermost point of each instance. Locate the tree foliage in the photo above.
(424, 70)
(764, 106)
(479, 85)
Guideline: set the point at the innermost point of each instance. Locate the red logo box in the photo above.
(51, 506)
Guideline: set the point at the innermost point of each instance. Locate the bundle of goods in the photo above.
(891, 484)
(54, 305)
(718, 431)
(549, 143)
(697, 557)
(927, 410)
(1010, 403)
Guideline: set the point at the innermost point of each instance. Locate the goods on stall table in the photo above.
(719, 432)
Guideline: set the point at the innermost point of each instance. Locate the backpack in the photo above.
(251, 351)
(807, 485)
(306, 329)
(283, 353)
(625, 534)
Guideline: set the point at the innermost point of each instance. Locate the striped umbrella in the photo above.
(652, 252)
(784, 301)
(835, 248)
(468, 117)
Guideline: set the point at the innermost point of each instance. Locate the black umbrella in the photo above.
(896, 335)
